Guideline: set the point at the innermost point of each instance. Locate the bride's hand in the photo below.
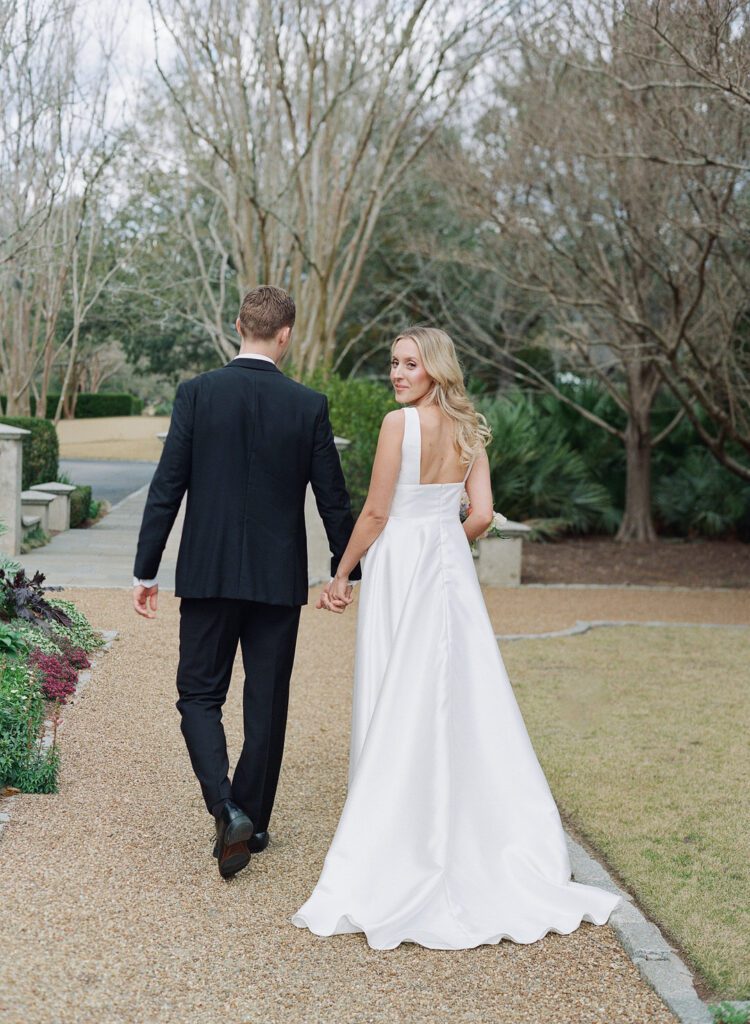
(330, 603)
(340, 592)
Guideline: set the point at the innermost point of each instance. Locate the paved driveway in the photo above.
(110, 480)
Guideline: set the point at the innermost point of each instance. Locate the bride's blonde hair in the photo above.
(438, 354)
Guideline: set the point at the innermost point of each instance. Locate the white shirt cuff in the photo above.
(143, 583)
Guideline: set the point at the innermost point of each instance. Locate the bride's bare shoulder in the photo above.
(392, 427)
(393, 420)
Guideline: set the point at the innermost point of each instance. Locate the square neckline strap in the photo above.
(412, 443)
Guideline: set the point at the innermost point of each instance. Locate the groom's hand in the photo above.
(144, 601)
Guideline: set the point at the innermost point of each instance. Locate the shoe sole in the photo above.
(236, 857)
(259, 849)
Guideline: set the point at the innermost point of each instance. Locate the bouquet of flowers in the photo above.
(495, 527)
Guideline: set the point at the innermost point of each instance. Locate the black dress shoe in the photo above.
(233, 829)
(257, 842)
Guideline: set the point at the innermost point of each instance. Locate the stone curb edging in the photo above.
(671, 587)
(84, 677)
(656, 960)
(582, 626)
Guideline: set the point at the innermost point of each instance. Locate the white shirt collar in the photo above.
(253, 355)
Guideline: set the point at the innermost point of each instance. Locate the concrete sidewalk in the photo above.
(103, 555)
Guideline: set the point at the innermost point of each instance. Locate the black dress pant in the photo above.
(210, 629)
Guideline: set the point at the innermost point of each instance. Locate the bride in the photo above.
(450, 836)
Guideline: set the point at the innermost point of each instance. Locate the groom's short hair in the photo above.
(265, 310)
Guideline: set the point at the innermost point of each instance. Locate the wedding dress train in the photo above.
(450, 836)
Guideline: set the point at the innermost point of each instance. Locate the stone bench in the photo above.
(29, 524)
(499, 558)
(37, 503)
(59, 509)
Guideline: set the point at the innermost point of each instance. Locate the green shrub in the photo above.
(41, 449)
(552, 467)
(80, 505)
(4, 404)
(35, 637)
(726, 1013)
(36, 538)
(537, 476)
(13, 642)
(356, 408)
(693, 494)
(24, 763)
(90, 406)
(81, 633)
(701, 497)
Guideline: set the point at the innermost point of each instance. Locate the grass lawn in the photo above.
(643, 735)
(112, 437)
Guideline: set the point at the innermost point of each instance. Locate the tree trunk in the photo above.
(637, 523)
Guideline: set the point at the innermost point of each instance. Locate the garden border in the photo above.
(84, 677)
(583, 626)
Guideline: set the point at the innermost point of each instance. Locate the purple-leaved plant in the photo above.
(59, 678)
(22, 597)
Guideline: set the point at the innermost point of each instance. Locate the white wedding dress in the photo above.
(450, 836)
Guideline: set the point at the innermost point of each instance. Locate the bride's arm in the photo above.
(374, 515)
(479, 490)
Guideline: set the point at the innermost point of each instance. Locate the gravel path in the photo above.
(113, 911)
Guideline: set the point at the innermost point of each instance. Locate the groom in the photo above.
(244, 442)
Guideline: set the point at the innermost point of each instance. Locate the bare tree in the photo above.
(625, 255)
(294, 120)
(704, 110)
(55, 148)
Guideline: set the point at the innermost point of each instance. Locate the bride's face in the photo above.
(409, 378)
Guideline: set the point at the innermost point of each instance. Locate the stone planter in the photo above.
(59, 509)
(499, 558)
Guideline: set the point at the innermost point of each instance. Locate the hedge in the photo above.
(80, 503)
(91, 406)
(41, 449)
(356, 408)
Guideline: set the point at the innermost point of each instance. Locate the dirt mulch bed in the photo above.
(672, 562)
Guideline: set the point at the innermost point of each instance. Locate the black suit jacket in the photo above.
(244, 441)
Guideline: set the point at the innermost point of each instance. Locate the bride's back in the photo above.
(440, 461)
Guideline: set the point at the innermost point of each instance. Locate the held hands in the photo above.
(335, 596)
(144, 601)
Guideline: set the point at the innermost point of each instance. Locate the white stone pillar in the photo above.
(11, 464)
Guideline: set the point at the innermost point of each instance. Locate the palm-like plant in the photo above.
(700, 497)
(537, 476)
